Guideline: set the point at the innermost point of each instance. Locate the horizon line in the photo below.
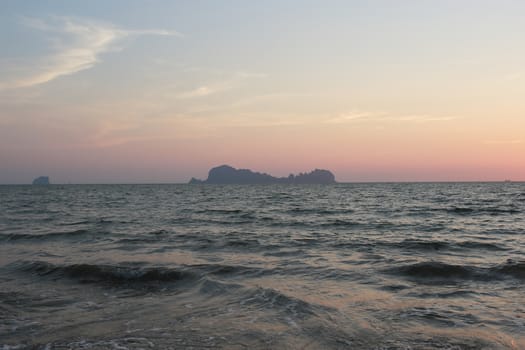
(336, 183)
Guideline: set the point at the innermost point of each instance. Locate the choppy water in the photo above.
(357, 266)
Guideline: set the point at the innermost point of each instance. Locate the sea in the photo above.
(343, 266)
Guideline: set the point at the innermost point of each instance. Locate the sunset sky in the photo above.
(160, 91)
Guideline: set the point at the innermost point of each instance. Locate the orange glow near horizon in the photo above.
(381, 96)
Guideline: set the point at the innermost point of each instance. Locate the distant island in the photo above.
(41, 180)
(226, 174)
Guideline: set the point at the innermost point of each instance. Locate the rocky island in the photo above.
(41, 180)
(226, 174)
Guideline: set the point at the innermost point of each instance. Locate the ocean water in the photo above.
(346, 266)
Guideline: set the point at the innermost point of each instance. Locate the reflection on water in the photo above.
(365, 266)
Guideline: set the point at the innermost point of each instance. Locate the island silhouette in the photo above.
(226, 174)
(41, 180)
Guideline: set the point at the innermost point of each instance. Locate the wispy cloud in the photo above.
(77, 45)
(257, 99)
(258, 120)
(353, 116)
(362, 116)
(226, 83)
(419, 118)
(199, 92)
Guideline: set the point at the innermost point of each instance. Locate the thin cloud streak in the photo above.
(213, 88)
(359, 116)
(198, 92)
(352, 116)
(78, 45)
(419, 118)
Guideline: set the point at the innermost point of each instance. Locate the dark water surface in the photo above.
(348, 266)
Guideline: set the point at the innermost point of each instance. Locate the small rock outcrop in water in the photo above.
(226, 174)
(41, 180)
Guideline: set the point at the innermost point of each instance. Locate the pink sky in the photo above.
(374, 93)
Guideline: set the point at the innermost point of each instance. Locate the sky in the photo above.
(161, 91)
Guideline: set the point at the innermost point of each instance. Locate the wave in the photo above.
(341, 223)
(122, 273)
(423, 245)
(268, 298)
(465, 210)
(225, 221)
(244, 243)
(299, 210)
(136, 275)
(308, 224)
(148, 237)
(287, 252)
(218, 211)
(211, 287)
(420, 245)
(434, 270)
(480, 245)
(511, 268)
(91, 273)
(230, 270)
(444, 295)
(460, 210)
(203, 279)
(226, 213)
(483, 210)
(44, 236)
(83, 222)
(442, 317)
